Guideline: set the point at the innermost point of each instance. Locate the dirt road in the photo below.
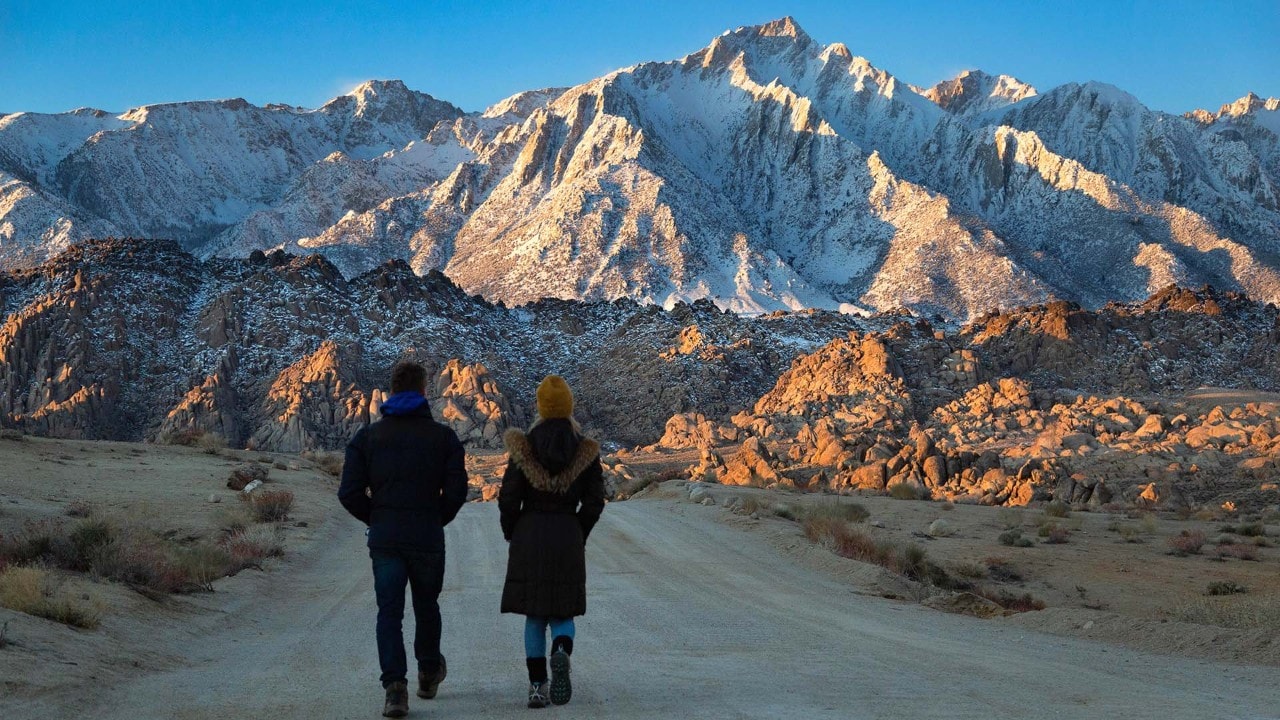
(689, 618)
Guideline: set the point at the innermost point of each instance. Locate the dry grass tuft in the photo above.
(1055, 534)
(270, 505)
(1057, 509)
(1225, 587)
(1187, 542)
(1239, 552)
(130, 554)
(1013, 538)
(907, 491)
(36, 591)
(249, 547)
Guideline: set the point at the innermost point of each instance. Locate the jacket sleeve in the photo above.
(352, 493)
(592, 498)
(511, 498)
(454, 489)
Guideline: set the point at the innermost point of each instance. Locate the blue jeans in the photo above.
(535, 633)
(423, 572)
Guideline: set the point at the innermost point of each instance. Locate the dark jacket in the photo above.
(548, 508)
(414, 471)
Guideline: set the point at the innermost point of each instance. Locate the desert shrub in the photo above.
(186, 437)
(235, 518)
(249, 547)
(786, 512)
(142, 563)
(35, 541)
(835, 534)
(4, 629)
(270, 505)
(88, 538)
(201, 564)
(12, 434)
(35, 591)
(748, 504)
(211, 443)
(1261, 542)
(1187, 542)
(1013, 538)
(1225, 587)
(913, 562)
(1254, 529)
(948, 505)
(970, 570)
(1001, 570)
(907, 491)
(1239, 552)
(1054, 534)
(1057, 509)
(1128, 532)
(79, 509)
(1010, 517)
(1011, 601)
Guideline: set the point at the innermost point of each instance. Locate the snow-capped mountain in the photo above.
(974, 92)
(764, 171)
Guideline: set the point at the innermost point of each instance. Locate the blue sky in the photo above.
(54, 56)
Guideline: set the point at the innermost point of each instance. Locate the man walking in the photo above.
(405, 477)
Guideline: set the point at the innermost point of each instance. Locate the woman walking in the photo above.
(552, 494)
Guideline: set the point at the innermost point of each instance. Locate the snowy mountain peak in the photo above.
(836, 50)
(522, 104)
(782, 27)
(1248, 104)
(388, 100)
(973, 92)
(764, 171)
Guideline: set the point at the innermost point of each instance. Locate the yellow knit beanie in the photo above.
(555, 400)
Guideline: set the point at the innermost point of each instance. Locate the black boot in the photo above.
(561, 687)
(397, 705)
(429, 685)
(537, 681)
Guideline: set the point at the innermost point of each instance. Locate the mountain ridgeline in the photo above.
(766, 171)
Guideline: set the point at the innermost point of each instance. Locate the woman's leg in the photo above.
(535, 648)
(561, 649)
(562, 630)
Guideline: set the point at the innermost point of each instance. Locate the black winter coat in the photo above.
(415, 470)
(547, 514)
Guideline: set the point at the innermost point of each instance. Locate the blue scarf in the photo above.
(403, 403)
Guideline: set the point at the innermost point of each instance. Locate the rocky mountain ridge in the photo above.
(138, 340)
(765, 171)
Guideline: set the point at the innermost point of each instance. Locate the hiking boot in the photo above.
(537, 694)
(561, 687)
(397, 705)
(429, 686)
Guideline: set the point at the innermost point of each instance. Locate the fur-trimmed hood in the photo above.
(521, 453)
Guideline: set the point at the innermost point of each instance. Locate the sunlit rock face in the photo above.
(765, 171)
(137, 340)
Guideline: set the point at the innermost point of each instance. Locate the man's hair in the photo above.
(408, 375)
